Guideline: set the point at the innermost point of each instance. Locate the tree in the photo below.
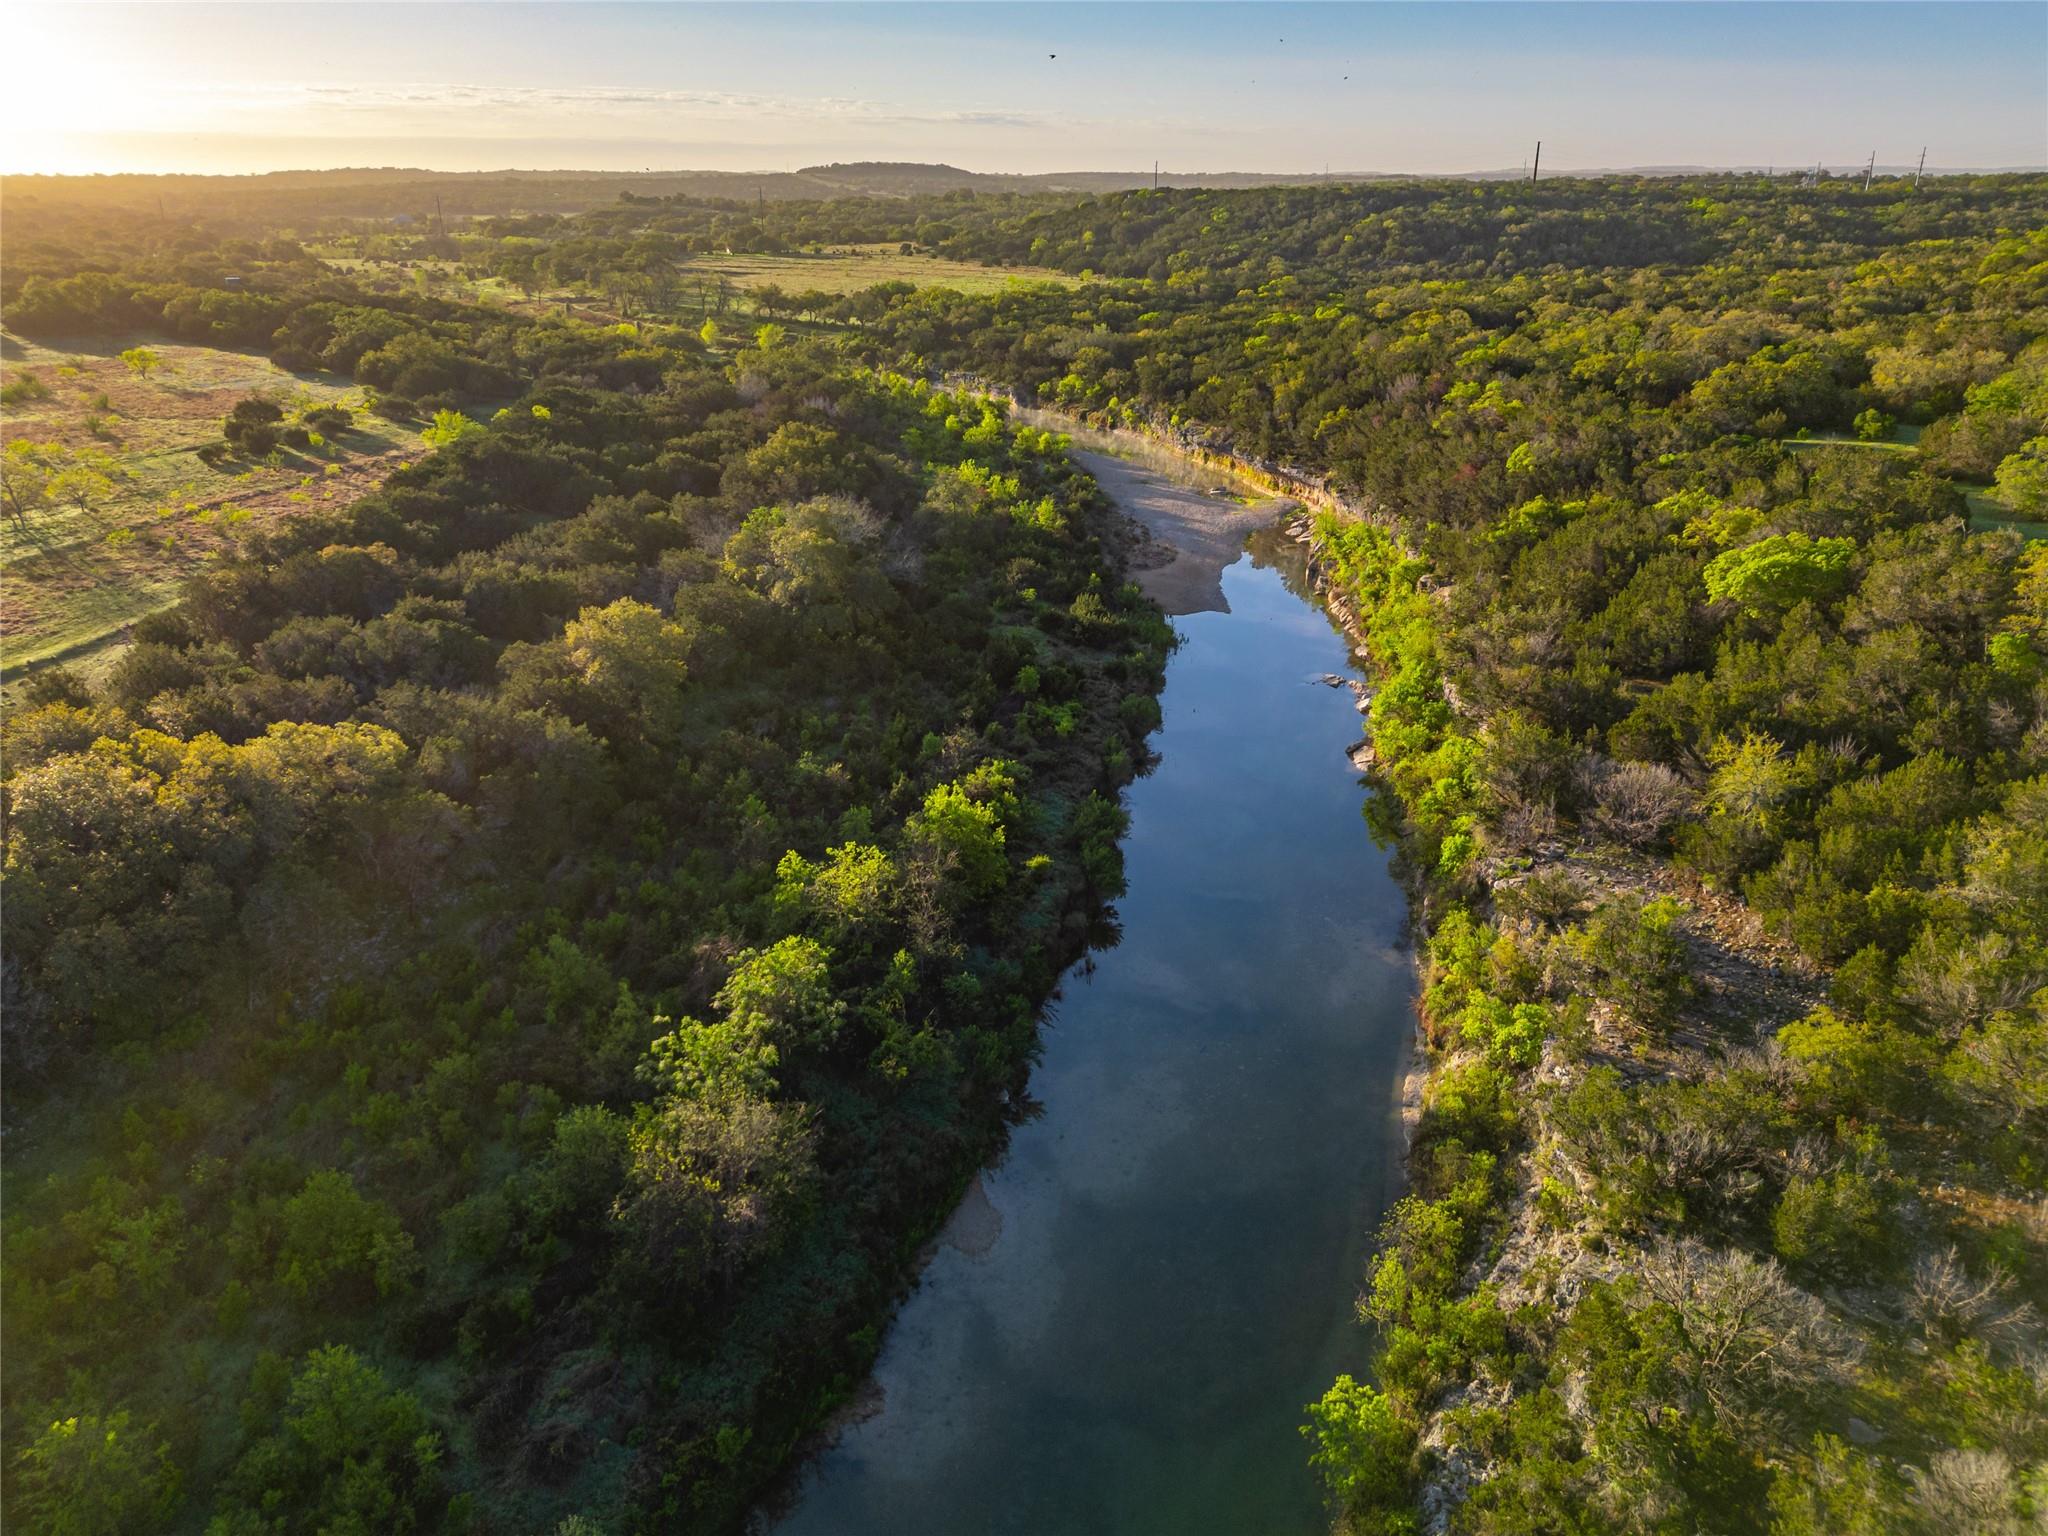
(349, 1455)
(332, 1233)
(2022, 478)
(1747, 1337)
(631, 660)
(1842, 1493)
(85, 479)
(711, 1185)
(966, 834)
(1771, 575)
(141, 361)
(32, 475)
(1631, 953)
(853, 888)
(1363, 1448)
(26, 470)
(94, 1476)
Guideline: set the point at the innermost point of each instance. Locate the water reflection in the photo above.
(1124, 1319)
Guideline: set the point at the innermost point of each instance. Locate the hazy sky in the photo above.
(166, 87)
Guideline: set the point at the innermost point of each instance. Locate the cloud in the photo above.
(509, 107)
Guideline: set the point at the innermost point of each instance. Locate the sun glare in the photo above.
(73, 82)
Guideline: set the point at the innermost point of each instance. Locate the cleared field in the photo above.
(72, 578)
(852, 268)
(1987, 511)
(845, 269)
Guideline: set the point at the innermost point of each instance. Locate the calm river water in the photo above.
(1125, 1318)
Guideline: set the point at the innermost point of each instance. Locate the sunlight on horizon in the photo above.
(257, 88)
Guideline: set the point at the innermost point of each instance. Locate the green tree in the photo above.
(712, 1185)
(966, 834)
(1363, 1448)
(632, 662)
(2022, 478)
(86, 477)
(1631, 953)
(1771, 575)
(349, 1456)
(94, 1476)
(26, 471)
(330, 1232)
(141, 361)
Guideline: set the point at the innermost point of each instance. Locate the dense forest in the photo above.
(502, 976)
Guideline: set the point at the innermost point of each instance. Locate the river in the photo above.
(1120, 1326)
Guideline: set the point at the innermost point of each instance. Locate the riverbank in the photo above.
(1523, 1235)
(1190, 536)
(1163, 1268)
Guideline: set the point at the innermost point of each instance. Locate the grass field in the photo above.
(73, 579)
(852, 268)
(1986, 510)
(845, 269)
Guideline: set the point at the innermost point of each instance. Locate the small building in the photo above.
(231, 282)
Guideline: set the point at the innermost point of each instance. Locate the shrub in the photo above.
(1631, 954)
(1363, 1450)
(23, 388)
(1840, 1224)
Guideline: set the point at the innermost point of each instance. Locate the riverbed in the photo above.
(1120, 1326)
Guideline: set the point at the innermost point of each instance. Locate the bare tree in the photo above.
(1950, 1303)
(1749, 1336)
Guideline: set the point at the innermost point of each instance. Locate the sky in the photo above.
(999, 87)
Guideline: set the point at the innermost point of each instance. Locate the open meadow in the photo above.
(835, 270)
(77, 571)
(848, 269)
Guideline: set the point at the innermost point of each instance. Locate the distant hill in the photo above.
(387, 192)
(391, 192)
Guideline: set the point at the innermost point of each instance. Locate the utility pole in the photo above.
(1155, 175)
(1921, 167)
(440, 224)
(1870, 170)
(1536, 167)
